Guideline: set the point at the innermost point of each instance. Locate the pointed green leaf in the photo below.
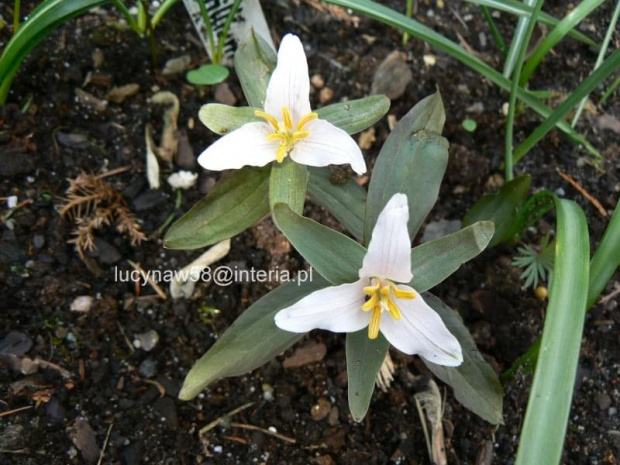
(501, 208)
(548, 408)
(287, 184)
(475, 384)
(364, 359)
(208, 75)
(333, 255)
(346, 202)
(251, 341)
(255, 60)
(412, 161)
(236, 202)
(222, 119)
(356, 115)
(434, 261)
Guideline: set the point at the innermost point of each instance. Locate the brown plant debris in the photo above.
(91, 204)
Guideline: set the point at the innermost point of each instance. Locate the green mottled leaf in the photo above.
(501, 208)
(333, 255)
(356, 115)
(364, 359)
(287, 184)
(412, 161)
(251, 341)
(346, 202)
(475, 384)
(434, 261)
(255, 60)
(222, 119)
(236, 202)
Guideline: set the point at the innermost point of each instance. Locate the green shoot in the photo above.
(408, 13)
(600, 58)
(609, 91)
(494, 31)
(514, 85)
(16, 8)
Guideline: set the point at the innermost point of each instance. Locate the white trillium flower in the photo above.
(290, 127)
(377, 301)
(182, 179)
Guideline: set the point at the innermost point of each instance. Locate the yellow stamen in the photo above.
(287, 118)
(270, 119)
(403, 293)
(373, 327)
(276, 137)
(284, 133)
(306, 119)
(281, 153)
(300, 135)
(381, 295)
(371, 303)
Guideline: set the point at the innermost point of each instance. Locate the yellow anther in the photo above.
(267, 117)
(393, 309)
(373, 327)
(306, 119)
(287, 118)
(403, 293)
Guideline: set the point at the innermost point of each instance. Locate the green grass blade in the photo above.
(551, 40)
(606, 259)
(517, 8)
(517, 39)
(392, 18)
(609, 91)
(590, 83)
(43, 20)
(601, 57)
(514, 86)
(497, 36)
(548, 407)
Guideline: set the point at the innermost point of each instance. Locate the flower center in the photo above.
(381, 293)
(285, 133)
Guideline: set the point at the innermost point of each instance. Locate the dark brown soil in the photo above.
(113, 385)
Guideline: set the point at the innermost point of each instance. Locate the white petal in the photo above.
(389, 251)
(337, 309)
(247, 145)
(289, 85)
(328, 145)
(421, 331)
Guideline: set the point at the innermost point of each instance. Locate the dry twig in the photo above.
(593, 200)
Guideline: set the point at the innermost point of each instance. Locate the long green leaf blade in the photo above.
(416, 29)
(236, 202)
(556, 35)
(335, 256)
(588, 85)
(434, 261)
(548, 407)
(347, 202)
(364, 359)
(251, 341)
(412, 161)
(475, 384)
(606, 259)
(44, 19)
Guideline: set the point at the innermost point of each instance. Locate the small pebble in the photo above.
(317, 81)
(321, 409)
(268, 392)
(148, 368)
(326, 95)
(11, 201)
(82, 304)
(146, 341)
